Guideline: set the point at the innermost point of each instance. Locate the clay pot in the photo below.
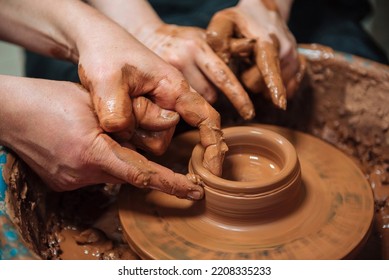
(261, 173)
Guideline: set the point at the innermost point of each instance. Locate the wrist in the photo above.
(283, 7)
(136, 16)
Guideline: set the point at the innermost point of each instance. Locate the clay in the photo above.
(270, 5)
(285, 216)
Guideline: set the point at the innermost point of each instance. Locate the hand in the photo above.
(116, 68)
(253, 28)
(186, 49)
(183, 47)
(55, 131)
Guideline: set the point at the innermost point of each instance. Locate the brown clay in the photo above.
(266, 52)
(327, 216)
(270, 5)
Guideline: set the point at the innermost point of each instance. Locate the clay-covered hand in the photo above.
(53, 128)
(116, 68)
(255, 30)
(186, 48)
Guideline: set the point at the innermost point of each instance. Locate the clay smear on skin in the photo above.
(132, 83)
(220, 39)
(265, 52)
(270, 5)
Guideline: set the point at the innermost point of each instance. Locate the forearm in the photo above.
(12, 107)
(136, 16)
(53, 28)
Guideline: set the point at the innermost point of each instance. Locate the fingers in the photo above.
(135, 169)
(200, 83)
(241, 47)
(111, 101)
(197, 112)
(267, 60)
(219, 32)
(252, 79)
(219, 73)
(295, 80)
(155, 127)
(150, 116)
(155, 142)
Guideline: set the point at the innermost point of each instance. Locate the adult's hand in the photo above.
(114, 67)
(259, 24)
(52, 126)
(185, 48)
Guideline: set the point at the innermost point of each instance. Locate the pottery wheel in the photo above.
(331, 222)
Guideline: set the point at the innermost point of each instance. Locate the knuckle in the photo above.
(103, 72)
(176, 60)
(192, 45)
(175, 84)
(140, 178)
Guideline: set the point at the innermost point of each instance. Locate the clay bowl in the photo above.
(261, 177)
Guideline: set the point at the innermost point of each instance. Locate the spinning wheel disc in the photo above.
(331, 221)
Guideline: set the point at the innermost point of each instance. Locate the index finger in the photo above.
(197, 112)
(268, 62)
(221, 75)
(219, 32)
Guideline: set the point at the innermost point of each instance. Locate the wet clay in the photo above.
(247, 166)
(282, 217)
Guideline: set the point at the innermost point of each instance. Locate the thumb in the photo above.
(133, 168)
(111, 101)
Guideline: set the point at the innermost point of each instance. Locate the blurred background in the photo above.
(12, 57)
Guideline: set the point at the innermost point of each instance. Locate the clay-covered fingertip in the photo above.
(282, 103)
(247, 112)
(248, 115)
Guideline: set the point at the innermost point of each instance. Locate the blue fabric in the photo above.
(11, 245)
(3, 185)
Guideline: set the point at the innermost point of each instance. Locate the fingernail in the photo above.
(282, 102)
(247, 112)
(169, 115)
(195, 195)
